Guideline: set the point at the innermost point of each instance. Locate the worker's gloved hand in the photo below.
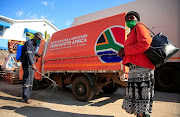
(34, 67)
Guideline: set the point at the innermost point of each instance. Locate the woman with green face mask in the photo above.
(140, 88)
(132, 19)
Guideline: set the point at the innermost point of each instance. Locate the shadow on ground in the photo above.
(45, 112)
(64, 96)
(58, 95)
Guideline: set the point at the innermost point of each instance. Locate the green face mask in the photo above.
(131, 24)
(38, 41)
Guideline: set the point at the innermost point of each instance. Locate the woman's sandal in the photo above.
(139, 115)
(129, 112)
(146, 115)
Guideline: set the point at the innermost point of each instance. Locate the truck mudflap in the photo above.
(91, 80)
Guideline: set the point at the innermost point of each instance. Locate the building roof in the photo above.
(28, 20)
(7, 19)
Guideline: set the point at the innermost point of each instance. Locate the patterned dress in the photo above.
(139, 91)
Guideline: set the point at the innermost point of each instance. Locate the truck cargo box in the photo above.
(89, 46)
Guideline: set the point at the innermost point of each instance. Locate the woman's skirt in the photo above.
(139, 91)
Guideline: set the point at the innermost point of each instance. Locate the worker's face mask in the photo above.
(131, 23)
(38, 41)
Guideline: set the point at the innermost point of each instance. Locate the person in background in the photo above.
(140, 87)
(28, 65)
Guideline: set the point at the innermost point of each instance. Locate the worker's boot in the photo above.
(27, 101)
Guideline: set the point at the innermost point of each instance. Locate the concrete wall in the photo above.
(16, 31)
(159, 15)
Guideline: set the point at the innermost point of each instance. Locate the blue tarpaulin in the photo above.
(5, 24)
(31, 31)
(4, 44)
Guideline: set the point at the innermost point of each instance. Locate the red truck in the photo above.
(86, 57)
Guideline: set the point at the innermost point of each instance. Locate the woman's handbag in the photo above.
(161, 49)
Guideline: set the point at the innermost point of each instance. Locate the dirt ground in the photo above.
(59, 102)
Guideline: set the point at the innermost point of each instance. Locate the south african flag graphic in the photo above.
(108, 44)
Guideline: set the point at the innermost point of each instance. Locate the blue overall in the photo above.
(28, 78)
(28, 59)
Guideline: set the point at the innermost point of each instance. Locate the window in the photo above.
(1, 30)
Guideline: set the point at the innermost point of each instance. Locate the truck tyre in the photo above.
(82, 89)
(110, 88)
(166, 79)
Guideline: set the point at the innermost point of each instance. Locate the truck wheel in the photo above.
(110, 88)
(166, 79)
(82, 89)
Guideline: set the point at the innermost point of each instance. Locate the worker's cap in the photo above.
(39, 35)
(133, 13)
